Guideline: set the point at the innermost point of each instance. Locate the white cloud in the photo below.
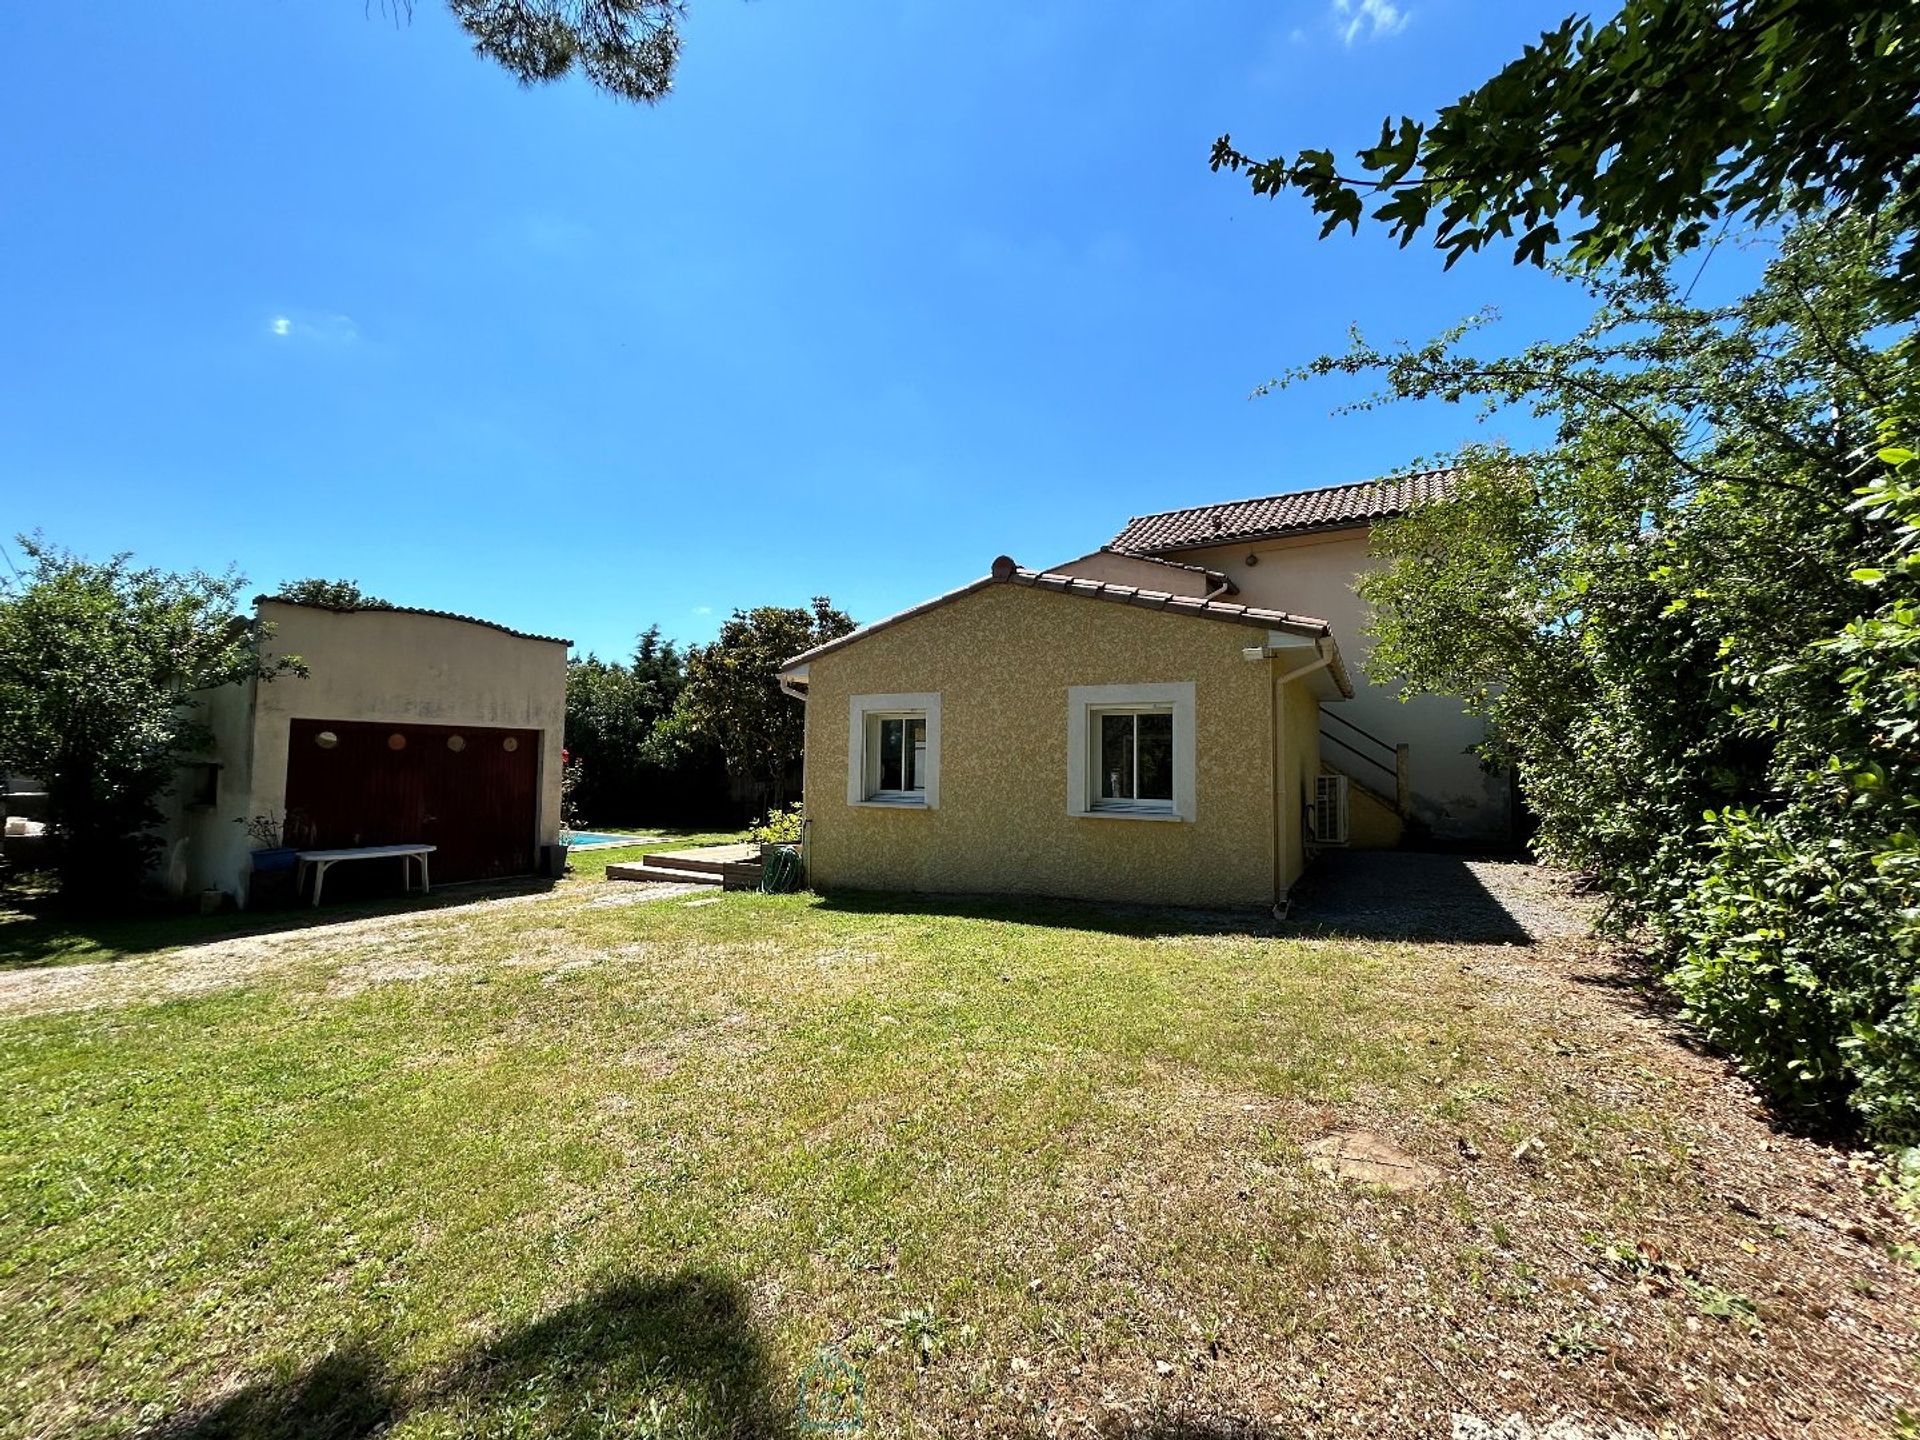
(703, 609)
(1368, 19)
(315, 329)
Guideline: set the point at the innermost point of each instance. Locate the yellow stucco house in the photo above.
(1168, 719)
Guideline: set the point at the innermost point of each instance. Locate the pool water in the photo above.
(591, 839)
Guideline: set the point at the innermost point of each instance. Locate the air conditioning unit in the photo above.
(1330, 810)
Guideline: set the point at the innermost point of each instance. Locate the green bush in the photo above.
(1800, 935)
(780, 827)
(1693, 626)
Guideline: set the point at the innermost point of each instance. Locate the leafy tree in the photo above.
(733, 698)
(659, 673)
(613, 712)
(99, 666)
(1646, 132)
(1662, 616)
(334, 594)
(628, 48)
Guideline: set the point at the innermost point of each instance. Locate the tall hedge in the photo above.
(1689, 623)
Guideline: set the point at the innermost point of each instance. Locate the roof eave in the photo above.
(1006, 572)
(260, 600)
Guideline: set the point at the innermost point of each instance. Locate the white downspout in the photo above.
(1320, 661)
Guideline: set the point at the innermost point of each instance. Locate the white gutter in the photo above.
(1320, 661)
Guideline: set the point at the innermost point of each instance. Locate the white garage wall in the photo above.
(384, 666)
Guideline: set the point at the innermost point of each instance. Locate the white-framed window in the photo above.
(893, 750)
(1131, 751)
(1133, 760)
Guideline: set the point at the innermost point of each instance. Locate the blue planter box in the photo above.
(269, 860)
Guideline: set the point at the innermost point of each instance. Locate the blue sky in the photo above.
(885, 288)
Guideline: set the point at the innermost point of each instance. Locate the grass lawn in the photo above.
(586, 1163)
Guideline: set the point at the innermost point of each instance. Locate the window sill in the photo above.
(1162, 815)
(888, 802)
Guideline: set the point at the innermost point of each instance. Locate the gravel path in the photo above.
(1410, 895)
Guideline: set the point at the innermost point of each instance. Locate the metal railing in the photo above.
(1393, 766)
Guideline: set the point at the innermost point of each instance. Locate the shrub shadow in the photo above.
(680, 1346)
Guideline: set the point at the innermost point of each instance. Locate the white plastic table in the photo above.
(321, 859)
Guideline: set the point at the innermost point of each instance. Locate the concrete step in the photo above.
(661, 874)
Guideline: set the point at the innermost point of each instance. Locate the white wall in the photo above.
(216, 837)
(379, 666)
(1314, 575)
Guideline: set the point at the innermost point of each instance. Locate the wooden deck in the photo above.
(735, 866)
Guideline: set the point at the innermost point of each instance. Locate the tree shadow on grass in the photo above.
(677, 1353)
(33, 938)
(342, 1396)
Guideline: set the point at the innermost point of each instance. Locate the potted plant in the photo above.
(781, 830)
(270, 851)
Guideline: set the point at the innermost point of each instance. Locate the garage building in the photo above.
(412, 727)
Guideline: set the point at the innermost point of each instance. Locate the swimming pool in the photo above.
(595, 840)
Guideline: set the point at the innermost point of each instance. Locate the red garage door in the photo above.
(473, 792)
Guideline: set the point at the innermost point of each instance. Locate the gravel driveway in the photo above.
(1412, 895)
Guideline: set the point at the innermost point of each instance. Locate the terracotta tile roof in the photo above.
(1005, 572)
(1330, 508)
(259, 600)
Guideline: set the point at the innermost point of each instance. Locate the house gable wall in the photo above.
(1002, 660)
